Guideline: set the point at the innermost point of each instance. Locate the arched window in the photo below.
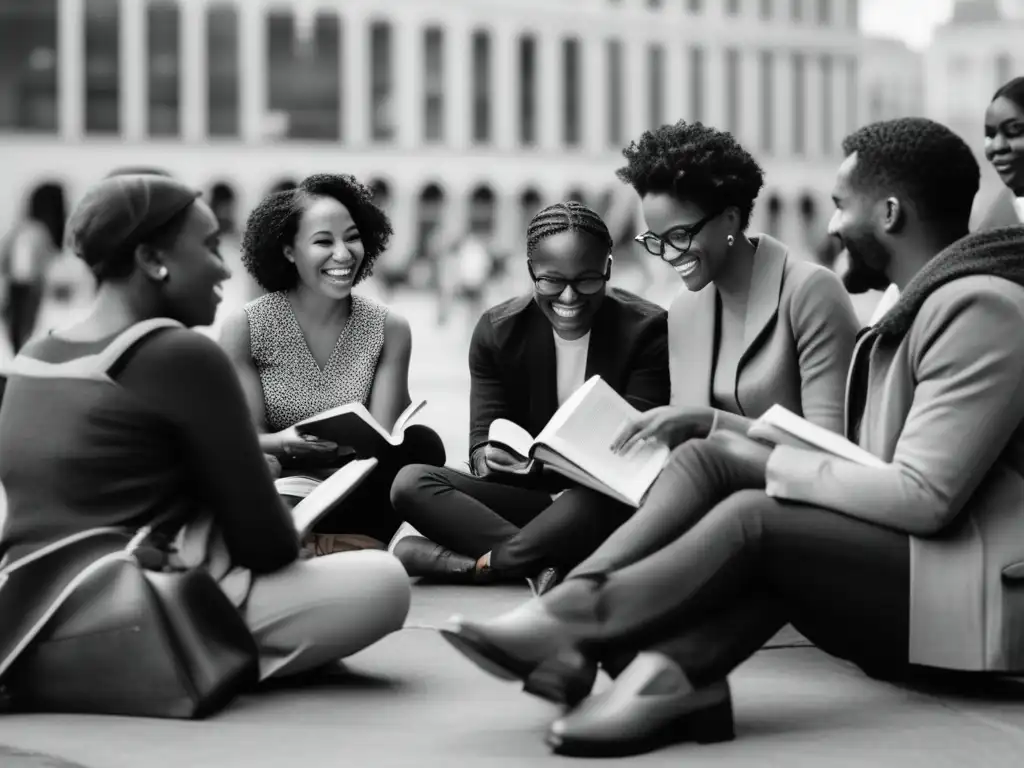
(284, 185)
(223, 202)
(429, 220)
(773, 226)
(529, 205)
(576, 194)
(46, 204)
(482, 211)
(381, 194)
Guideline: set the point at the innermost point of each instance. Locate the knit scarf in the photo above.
(996, 252)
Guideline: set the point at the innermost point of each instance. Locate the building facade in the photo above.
(462, 113)
(980, 48)
(892, 81)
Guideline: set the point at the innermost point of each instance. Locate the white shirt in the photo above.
(889, 298)
(570, 364)
(1018, 203)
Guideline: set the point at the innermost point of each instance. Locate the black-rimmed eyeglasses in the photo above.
(554, 286)
(679, 239)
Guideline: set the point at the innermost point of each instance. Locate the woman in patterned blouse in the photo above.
(310, 344)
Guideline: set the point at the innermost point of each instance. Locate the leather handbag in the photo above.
(109, 627)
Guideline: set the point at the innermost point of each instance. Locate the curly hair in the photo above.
(274, 222)
(566, 217)
(1012, 90)
(695, 162)
(921, 159)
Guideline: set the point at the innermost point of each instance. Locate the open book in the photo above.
(781, 426)
(352, 425)
(577, 441)
(321, 496)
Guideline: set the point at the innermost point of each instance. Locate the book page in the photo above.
(817, 437)
(583, 431)
(510, 436)
(405, 417)
(329, 493)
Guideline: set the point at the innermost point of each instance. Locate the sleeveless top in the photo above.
(294, 385)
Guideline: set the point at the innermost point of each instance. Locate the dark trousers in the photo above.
(745, 565)
(523, 529)
(368, 510)
(22, 311)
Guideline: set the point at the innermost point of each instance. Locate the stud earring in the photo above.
(161, 274)
(730, 240)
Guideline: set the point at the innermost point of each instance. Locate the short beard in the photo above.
(859, 277)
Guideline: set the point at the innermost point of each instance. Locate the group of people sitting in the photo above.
(915, 563)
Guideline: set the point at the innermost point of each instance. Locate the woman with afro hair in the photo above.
(310, 344)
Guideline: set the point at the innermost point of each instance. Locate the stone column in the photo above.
(458, 80)
(409, 80)
(194, 65)
(504, 93)
(71, 69)
(550, 88)
(134, 70)
(252, 70)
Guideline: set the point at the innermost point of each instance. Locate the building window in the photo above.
(318, 115)
(655, 86)
(767, 74)
(732, 7)
(799, 104)
(876, 105)
(382, 83)
(482, 212)
(281, 70)
(733, 93)
(529, 206)
(223, 203)
(853, 14)
(163, 27)
(695, 6)
(655, 3)
(481, 95)
(773, 226)
(381, 194)
(28, 66)
(828, 131)
(696, 84)
(1004, 69)
(102, 67)
(222, 68)
(796, 10)
(528, 91)
(433, 84)
(766, 9)
(573, 92)
(852, 89)
(429, 222)
(616, 95)
(825, 12)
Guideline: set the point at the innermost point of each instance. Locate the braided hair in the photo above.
(566, 217)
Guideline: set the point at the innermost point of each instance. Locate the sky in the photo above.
(909, 20)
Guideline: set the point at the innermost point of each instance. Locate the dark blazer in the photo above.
(512, 360)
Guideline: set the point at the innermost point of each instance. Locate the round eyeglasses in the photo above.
(555, 286)
(679, 239)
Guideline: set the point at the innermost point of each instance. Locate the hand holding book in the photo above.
(669, 425)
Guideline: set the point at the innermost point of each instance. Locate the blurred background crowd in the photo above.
(464, 116)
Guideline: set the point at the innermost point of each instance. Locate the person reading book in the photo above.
(899, 566)
(755, 326)
(127, 415)
(310, 344)
(527, 357)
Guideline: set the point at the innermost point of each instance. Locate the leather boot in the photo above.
(423, 558)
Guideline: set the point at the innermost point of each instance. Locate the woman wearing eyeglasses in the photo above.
(755, 326)
(526, 357)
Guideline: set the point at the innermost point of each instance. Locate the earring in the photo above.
(161, 274)
(730, 240)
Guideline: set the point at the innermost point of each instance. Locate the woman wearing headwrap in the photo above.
(128, 416)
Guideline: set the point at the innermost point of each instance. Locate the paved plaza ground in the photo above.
(412, 701)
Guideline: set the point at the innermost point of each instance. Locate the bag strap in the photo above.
(115, 350)
(94, 367)
(53, 548)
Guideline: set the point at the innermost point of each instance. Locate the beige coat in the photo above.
(943, 405)
(798, 337)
